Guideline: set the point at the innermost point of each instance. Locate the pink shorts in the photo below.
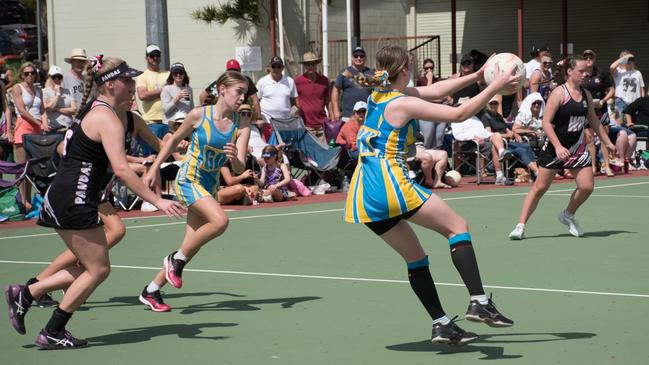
(24, 127)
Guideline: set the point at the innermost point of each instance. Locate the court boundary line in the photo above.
(329, 210)
(343, 278)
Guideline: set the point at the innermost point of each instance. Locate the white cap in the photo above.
(360, 105)
(55, 70)
(152, 48)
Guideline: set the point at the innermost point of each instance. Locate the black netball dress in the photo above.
(568, 124)
(72, 199)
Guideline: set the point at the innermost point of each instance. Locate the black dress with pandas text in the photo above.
(568, 123)
(72, 199)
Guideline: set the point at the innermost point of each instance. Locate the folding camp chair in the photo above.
(42, 148)
(305, 152)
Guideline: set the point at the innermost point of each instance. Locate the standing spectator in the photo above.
(433, 132)
(537, 54)
(601, 87)
(540, 79)
(629, 84)
(347, 135)
(350, 90)
(31, 118)
(73, 79)
(177, 97)
(149, 86)
(463, 95)
(277, 93)
(313, 96)
(58, 102)
(209, 95)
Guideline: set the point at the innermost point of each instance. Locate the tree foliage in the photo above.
(247, 10)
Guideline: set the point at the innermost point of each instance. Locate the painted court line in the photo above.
(329, 210)
(342, 278)
(605, 195)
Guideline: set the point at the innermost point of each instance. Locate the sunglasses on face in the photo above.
(429, 68)
(359, 56)
(589, 57)
(466, 63)
(361, 112)
(29, 73)
(154, 55)
(493, 103)
(277, 67)
(178, 73)
(547, 63)
(57, 77)
(310, 64)
(245, 114)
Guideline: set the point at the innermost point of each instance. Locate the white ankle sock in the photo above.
(482, 299)
(153, 287)
(443, 320)
(500, 151)
(522, 225)
(180, 256)
(499, 174)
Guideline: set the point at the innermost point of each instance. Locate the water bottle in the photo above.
(332, 143)
(345, 184)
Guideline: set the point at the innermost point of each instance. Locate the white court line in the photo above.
(342, 278)
(604, 195)
(326, 210)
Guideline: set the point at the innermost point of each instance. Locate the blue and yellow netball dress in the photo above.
(199, 172)
(380, 188)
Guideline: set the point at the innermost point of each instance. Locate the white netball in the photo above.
(452, 178)
(504, 62)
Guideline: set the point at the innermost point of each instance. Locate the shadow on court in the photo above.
(489, 352)
(586, 234)
(131, 300)
(245, 305)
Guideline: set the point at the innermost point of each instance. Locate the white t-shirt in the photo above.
(469, 129)
(628, 84)
(55, 118)
(530, 67)
(275, 97)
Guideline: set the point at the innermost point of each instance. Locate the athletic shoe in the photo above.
(58, 341)
(571, 222)
(505, 155)
(154, 301)
(46, 301)
(18, 306)
(174, 270)
(451, 334)
(501, 180)
(487, 314)
(518, 233)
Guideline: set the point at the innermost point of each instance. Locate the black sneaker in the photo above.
(58, 341)
(487, 313)
(451, 334)
(18, 306)
(46, 301)
(174, 270)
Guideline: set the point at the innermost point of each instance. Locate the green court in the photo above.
(298, 286)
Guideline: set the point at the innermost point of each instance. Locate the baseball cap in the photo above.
(358, 50)
(268, 154)
(177, 66)
(152, 48)
(589, 51)
(233, 65)
(360, 105)
(536, 50)
(276, 61)
(55, 70)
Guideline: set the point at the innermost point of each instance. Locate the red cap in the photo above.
(233, 65)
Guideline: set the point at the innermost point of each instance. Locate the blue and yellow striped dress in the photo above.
(199, 172)
(380, 188)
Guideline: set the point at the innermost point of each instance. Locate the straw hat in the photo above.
(76, 54)
(310, 57)
(245, 107)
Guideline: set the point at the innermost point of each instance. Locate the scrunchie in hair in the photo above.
(383, 77)
(96, 62)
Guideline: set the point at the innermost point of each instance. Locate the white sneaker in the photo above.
(518, 233)
(267, 198)
(501, 180)
(505, 155)
(571, 222)
(148, 207)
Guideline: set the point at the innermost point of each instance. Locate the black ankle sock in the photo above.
(464, 260)
(31, 281)
(58, 321)
(423, 285)
(28, 294)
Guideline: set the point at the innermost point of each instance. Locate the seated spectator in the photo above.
(492, 144)
(176, 96)
(624, 138)
(239, 189)
(275, 177)
(347, 135)
(636, 115)
(433, 165)
(58, 102)
(495, 123)
(528, 120)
